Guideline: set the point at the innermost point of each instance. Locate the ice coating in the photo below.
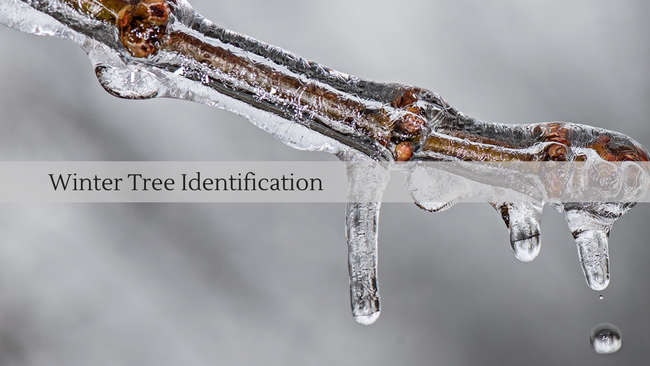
(163, 48)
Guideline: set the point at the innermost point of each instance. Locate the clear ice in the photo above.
(162, 48)
(367, 182)
(523, 220)
(605, 339)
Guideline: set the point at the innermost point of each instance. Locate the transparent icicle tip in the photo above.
(366, 319)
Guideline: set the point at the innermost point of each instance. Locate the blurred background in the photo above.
(266, 284)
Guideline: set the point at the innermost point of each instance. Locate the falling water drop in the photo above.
(605, 339)
(600, 297)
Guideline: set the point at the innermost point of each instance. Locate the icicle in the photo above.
(523, 220)
(590, 224)
(434, 190)
(367, 182)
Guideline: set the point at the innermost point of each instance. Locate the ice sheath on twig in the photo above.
(163, 48)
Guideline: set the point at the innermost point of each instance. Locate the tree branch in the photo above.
(162, 48)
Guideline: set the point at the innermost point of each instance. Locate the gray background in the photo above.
(266, 284)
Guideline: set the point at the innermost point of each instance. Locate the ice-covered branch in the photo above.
(162, 48)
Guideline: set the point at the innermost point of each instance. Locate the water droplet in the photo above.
(600, 297)
(605, 339)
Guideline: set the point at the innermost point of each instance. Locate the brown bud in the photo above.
(557, 132)
(410, 123)
(405, 99)
(601, 145)
(556, 152)
(142, 26)
(580, 157)
(403, 151)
